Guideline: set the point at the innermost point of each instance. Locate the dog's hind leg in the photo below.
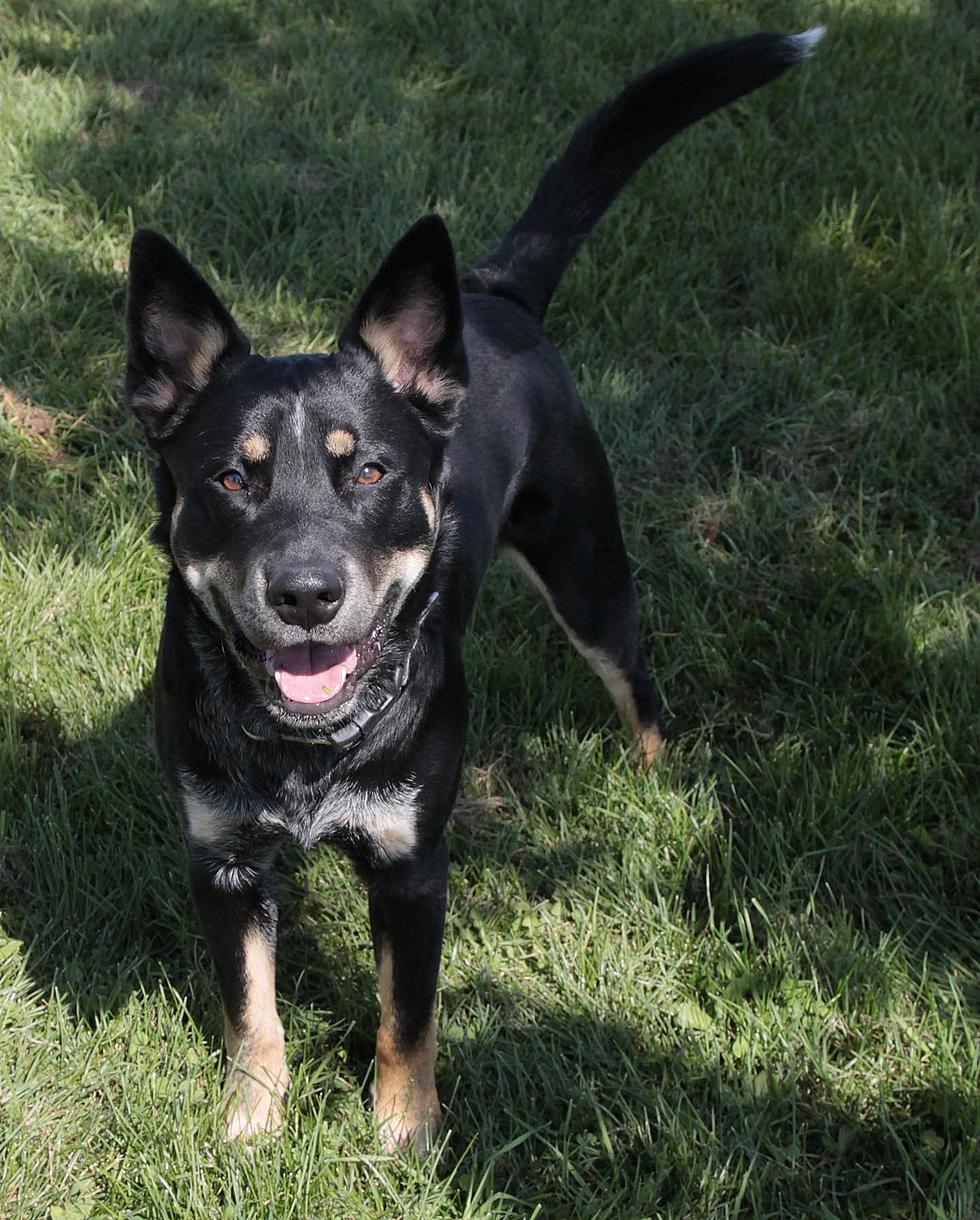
(563, 531)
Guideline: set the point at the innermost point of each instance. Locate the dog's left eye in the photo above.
(232, 480)
(370, 473)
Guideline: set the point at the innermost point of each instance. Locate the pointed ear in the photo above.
(179, 334)
(411, 322)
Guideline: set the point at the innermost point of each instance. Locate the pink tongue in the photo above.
(311, 673)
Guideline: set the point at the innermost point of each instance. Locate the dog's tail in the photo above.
(608, 149)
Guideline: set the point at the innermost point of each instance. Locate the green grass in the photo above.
(746, 986)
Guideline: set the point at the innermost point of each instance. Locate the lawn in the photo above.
(746, 985)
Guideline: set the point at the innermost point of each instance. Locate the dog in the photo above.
(329, 519)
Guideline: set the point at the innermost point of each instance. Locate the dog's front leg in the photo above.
(237, 908)
(408, 913)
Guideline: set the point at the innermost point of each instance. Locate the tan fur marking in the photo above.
(201, 575)
(255, 448)
(396, 342)
(158, 393)
(341, 443)
(199, 347)
(258, 1076)
(646, 737)
(649, 743)
(428, 504)
(378, 337)
(386, 817)
(211, 343)
(405, 1099)
(405, 567)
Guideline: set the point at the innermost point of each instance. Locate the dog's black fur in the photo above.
(308, 683)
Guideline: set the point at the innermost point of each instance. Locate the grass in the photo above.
(746, 986)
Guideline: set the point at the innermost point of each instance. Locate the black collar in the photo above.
(349, 736)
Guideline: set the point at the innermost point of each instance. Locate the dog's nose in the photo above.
(306, 596)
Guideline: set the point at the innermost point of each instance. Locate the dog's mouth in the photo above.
(311, 678)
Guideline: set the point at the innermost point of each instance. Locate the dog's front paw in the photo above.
(253, 1104)
(409, 1121)
(649, 742)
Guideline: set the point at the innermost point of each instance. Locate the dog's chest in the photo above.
(380, 820)
(374, 822)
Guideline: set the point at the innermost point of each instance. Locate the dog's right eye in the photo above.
(232, 480)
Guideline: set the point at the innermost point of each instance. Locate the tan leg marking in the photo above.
(646, 737)
(255, 447)
(405, 1098)
(649, 743)
(341, 443)
(257, 1076)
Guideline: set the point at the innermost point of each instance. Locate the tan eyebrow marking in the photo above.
(255, 447)
(341, 443)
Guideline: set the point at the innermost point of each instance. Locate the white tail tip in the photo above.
(803, 45)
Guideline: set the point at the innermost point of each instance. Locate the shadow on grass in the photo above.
(842, 751)
(630, 1124)
(548, 1102)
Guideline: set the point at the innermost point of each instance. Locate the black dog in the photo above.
(330, 518)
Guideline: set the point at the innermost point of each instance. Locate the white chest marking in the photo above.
(205, 824)
(385, 816)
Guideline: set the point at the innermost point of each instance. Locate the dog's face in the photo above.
(305, 489)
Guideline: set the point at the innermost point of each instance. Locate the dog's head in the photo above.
(305, 490)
